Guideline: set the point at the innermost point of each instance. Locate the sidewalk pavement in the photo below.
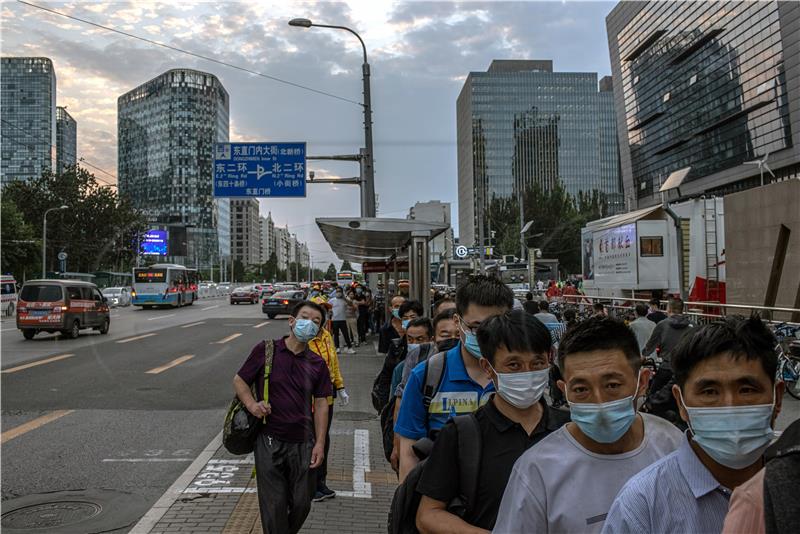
(222, 496)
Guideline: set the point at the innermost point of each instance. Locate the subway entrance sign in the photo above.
(260, 169)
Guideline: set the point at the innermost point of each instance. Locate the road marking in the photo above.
(40, 362)
(229, 338)
(259, 325)
(149, 520)
(210, 307)
(170, 365)
(33, 425)
(114, 315)
(237, 324)
(193, 324)
(135, 338)
(161, 317)
(361, 488)
(139, 460)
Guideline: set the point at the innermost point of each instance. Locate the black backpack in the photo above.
(431, 379)
(403, 511)
(380, 387)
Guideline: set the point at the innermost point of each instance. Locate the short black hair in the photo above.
(600, 333)
(675, 305)
(308, 304)
(424, 322)
(598, 306)
(655, 302)
(544, 306)
(528, 296)
(741, 337)
(641, 310)
(483, 290)
(515, 330)
(530, 307)
(570, 314)
(443, 316)
(412, 305)
(438, 304)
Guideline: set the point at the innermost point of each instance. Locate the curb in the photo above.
(149, 520)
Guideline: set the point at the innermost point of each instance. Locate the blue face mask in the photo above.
(734, 436)
(471, 342)
(405, 323)
(305, 330)
(604, 422)
(396, 313)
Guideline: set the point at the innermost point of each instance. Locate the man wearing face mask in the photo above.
(726, 392)
(393, 328)
(292, 439)
(463, 385)
(516, 354)
(409, 311)
(567, 482)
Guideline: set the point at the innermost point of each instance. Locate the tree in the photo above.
(346, 266)
(100, 230)
(20, 253)
(238, 271)
(330, 274)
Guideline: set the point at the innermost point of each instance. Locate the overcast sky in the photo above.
(420, 53)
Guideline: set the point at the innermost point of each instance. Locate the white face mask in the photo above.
(522, 390)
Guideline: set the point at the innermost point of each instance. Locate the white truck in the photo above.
(637, 252)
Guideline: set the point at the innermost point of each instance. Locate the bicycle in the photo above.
(788, 357)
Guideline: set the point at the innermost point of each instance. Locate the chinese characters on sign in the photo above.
(260, 170)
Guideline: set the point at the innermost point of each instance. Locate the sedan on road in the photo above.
(244, 294)
(117, 296)
(281, 303)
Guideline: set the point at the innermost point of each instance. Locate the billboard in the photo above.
(154, 243)
(614, 251)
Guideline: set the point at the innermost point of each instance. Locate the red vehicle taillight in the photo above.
(285, 302)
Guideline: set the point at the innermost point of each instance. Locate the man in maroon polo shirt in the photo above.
(292, 440)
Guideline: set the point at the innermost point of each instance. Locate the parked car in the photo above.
(117, 296)
(224, 288)
(8, 295)
(281, 303)
(245, 294)
(65, 306)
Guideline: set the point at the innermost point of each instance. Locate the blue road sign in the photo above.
(260, 170)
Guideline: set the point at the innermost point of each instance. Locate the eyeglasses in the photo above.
(467, 329)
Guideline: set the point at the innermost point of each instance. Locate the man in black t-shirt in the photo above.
(515, 350)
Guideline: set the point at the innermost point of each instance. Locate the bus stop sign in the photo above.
(259, 170)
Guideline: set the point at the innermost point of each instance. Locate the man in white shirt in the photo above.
(642, 327)
(567, 481)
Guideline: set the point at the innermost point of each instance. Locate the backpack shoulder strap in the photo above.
(432, 378)
(269, 352)
(469, 457)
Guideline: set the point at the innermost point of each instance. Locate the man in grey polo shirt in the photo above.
(567, 481)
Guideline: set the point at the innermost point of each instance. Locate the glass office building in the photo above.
(706, 85)
(66, 139)
(28, 113)
(167, 128)
(519, 123)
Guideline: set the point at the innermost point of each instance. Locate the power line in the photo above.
(83, 160)
(194, 54)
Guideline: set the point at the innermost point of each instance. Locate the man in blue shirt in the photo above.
(464, 386)
(726, 392)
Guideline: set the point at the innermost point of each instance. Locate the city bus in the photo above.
(164, 284)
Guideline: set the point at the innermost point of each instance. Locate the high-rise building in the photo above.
(66, 139)
(267, 237)
(167, 130)
(705, 85)
(283, 247)
(441, 246)
(28, 113)
(519, 124)
(245, 231)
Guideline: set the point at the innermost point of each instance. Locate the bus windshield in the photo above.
(151, 276)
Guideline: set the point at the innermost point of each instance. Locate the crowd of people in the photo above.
(517, 417)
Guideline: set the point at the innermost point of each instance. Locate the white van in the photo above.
(8, 295)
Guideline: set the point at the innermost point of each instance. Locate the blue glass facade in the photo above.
(66, 139)
(520, 123)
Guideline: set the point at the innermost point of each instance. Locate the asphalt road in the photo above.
(101, 421)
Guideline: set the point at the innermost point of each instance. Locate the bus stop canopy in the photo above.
(360, 240)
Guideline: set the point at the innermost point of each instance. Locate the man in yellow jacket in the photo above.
(322, 345)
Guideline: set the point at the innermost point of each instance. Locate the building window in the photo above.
(650, 247)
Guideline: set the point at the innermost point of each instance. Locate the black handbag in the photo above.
(241, 428)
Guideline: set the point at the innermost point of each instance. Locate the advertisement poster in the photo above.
(615, 256)
(155, 243)
(587, 254)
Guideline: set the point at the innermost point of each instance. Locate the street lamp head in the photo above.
(302, 23)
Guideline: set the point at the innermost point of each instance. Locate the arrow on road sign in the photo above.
(259, 172)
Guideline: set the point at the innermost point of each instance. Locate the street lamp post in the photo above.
(368, 170)
(44, 239)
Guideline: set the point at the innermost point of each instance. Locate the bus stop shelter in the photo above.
(382, 244)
